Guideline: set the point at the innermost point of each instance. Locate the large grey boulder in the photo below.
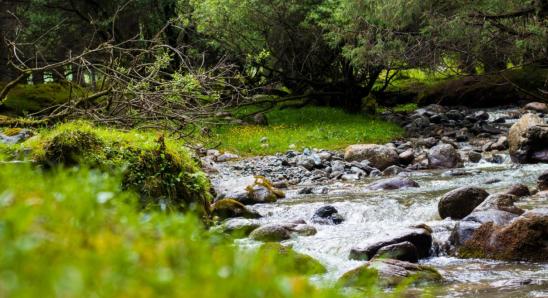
(528, 140)
(379, 156)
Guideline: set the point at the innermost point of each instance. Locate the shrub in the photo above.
(161, 170)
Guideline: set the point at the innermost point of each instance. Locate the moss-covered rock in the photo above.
(389, 273)
(522, 239)
(292, 261)
(160, 170)
(228, 208)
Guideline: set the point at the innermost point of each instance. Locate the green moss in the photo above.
(292, 261)
(160, 169)
(12, 131)
(28, 98)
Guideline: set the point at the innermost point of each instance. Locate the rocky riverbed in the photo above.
(451, 196)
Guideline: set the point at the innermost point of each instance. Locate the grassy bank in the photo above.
(312, 127)
(76, 233)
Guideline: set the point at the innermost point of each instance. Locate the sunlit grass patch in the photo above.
(312, 127)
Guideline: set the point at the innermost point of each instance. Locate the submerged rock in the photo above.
(392, 183)
(419, 237)
(460, 202)
(327, 215)
(379, 156)
(542, 181)
(389, 273)
(519, 190)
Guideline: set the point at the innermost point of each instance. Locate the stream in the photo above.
(374, 215)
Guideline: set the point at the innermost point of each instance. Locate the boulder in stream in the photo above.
(291, 261)
(249, 190)
(327, 215)
(460, 202)
(389, 273)
(444, 156)
(392, 183)
(280, 232)
(403, 251)
(537, 107)
(419, 237)
(524, 239)
(228, 208)
(542, 181)
(379, 156)
(528, 140)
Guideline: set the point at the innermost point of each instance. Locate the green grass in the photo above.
(76, 233)
(308, 127)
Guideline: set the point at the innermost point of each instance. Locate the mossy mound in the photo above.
(292, 261)
(486, 90)
(30, 98)
(389, 273)
(160, 170)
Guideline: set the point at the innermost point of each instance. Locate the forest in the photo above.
(274, 148)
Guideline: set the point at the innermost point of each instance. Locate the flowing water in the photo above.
(374, 215)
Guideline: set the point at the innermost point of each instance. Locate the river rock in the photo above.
(519, 190)
(462, 232)
(537, 107)
(393, 170)
(392, 183)
(407, 156)
(271, 233)
(389, 273)
(404, 251)
(379, 156)
(421, 238)
(228, 208)
(499, 217)
(460, 202)
(444, 156)
(474, 156)
(239, 227)
(292, 261)
(528, 140)
(524, 239)
(500, 201)
(249, 190)
(327, 215)
(280, 232)
(542, 181)
(227, 156)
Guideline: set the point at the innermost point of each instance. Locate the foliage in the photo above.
(76, 233)
(24, 99)
(309, 127)
(160, 169)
